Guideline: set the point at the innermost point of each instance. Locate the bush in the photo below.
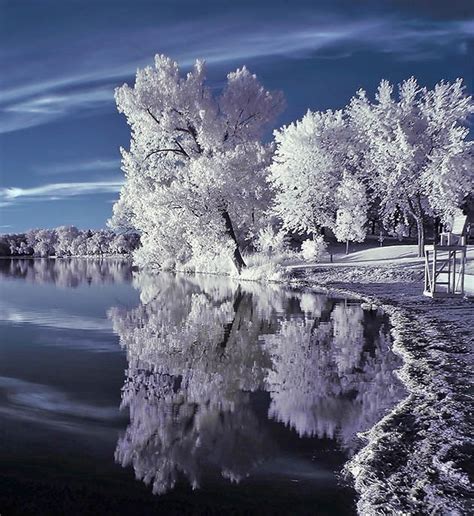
(270, 241)
(313, 249)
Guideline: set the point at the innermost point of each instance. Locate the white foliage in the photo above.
(313, 249)
(419, 160)
(309, 158)
(351, 214)
(68, 241)
(271, 241)
(195, 171)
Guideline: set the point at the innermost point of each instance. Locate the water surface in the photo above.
(127, 393)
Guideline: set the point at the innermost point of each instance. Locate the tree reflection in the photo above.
(67, 272)
(330, 378)
(198, 347)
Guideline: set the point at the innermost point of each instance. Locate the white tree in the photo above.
(312, 249)
(271, 240)
(43, 241)
(66, 235)
(351, 214)
(124, 243)
(419, 161)
(79, 246)
(195, 171)
(307, 167)
(99, 242)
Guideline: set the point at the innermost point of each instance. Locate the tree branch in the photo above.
(191, 131)
(180, 151)
(152, 116)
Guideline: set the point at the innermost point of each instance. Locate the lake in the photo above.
(134, 393)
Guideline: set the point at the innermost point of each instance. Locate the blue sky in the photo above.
(60, 132)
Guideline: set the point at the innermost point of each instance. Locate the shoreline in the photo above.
(415, 458)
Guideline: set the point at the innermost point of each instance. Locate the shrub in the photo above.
(313, 249)
(270, 241)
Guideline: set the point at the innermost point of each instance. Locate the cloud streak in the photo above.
(57, 191)
(93, 165)
(83, 91)
(43, 109)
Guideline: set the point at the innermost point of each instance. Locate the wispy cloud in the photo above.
(92, 165)
(57, 191)
(50, 106)
(82, 91)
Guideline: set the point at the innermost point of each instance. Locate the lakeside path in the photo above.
(417, 459)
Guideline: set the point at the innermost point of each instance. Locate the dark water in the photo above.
(126, 393)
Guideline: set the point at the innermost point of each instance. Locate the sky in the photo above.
(60, 60)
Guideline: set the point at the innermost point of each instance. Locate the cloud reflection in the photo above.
(43, 404)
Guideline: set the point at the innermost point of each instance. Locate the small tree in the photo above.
(271, 241)
(351, 215)
(312, 249)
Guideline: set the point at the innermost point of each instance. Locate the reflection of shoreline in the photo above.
(195, 347)
(67, 272)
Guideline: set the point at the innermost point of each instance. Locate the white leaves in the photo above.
(192, 156)
(306, 169)
(247, 106)
(418, 161)
(270, 240)
(312, 249)
(351, 215)
(69, 241)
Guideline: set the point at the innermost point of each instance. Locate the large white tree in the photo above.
(195, 171)
(419, 162)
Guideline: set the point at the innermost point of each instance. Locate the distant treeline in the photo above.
(68, 241)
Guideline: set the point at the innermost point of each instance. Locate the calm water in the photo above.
(126, 393)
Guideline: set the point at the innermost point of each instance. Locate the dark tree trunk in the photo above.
(420, 228)
(235, 324)
(436, 227)
(237, 257)
(347, 246)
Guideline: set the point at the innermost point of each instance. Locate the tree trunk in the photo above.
(228, 328)
(420, 228)
(347, 246)
(237, 259)
(436, 227)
